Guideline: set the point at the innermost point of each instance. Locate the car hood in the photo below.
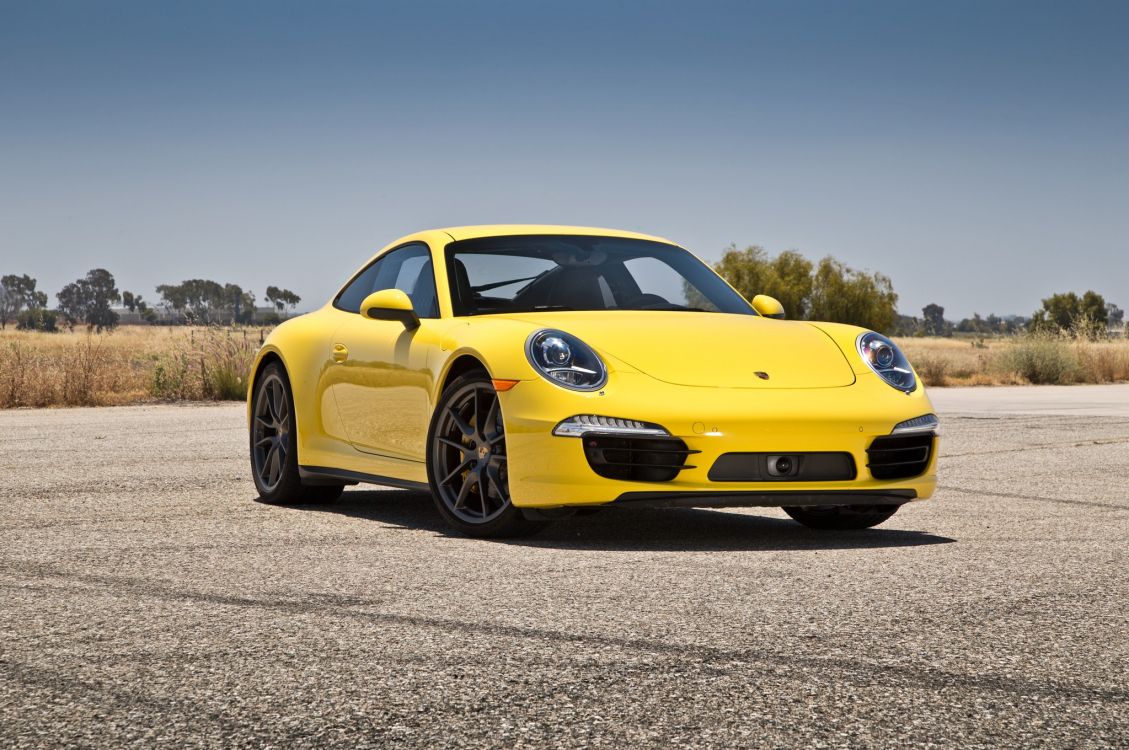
(710, 349)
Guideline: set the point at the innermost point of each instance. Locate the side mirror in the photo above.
(769, 307)
(390, 304)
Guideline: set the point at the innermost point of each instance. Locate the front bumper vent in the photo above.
(804, 467)
(898, 456)
(637, 459)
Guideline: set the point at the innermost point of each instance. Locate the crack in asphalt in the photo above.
(1013, 496)
(1039, 447)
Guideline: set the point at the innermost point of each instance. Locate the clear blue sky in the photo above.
(977, 153)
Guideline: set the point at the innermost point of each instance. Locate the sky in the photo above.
(977, 153)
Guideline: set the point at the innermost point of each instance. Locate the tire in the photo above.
(466, 462)
(274, 444)
(841, 517)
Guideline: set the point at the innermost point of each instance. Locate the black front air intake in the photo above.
(765, 467)
(898, 457)
(639, 459)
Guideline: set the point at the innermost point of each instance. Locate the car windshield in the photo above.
(531, 273)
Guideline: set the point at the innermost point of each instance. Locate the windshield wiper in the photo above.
(496, 284)
(541, 308)
(669, 307)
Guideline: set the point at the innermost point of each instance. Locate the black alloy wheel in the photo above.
(467, 463)
(274, 444)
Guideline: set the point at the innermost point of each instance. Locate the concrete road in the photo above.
(1079, 401)
(148, 600)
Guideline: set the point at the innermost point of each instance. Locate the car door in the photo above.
(381, 383)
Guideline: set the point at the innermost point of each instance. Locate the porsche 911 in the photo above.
(522, 374)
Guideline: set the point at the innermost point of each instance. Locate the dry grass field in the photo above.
(129, 365)
(1052, 360)
(141, 363)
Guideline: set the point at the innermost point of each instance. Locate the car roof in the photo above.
(501, 230)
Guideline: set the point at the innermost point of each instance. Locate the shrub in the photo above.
(225, 364)
(16, 362)
(1042, 358)
(1103, 361)
(88, 368)
(933, 370)
(38, 319)
(170, 378)
(214, 367)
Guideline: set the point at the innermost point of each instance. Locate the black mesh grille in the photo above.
(809, 467)
(896, 457)
(640, 459)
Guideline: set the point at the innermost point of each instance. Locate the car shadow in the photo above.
(633, 529)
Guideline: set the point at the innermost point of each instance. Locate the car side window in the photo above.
(406, 268)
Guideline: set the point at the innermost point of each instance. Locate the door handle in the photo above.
(340, 352)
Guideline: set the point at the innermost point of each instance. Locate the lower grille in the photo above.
(639, 459)
(897, 457)
(804, 467)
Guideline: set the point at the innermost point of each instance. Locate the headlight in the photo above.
(887, 360)
(565, 360)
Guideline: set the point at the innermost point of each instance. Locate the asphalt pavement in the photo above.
(148, 600)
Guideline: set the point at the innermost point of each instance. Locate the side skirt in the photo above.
(314, 475)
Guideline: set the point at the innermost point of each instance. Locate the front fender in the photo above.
(499, 344)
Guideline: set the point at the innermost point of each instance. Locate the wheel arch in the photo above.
(460, 365)
(265, 359)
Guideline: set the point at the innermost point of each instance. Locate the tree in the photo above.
(8, 307)
(173, 297)
(844, 295)
(206, 301)
(281, 298)
(198, 300)
(1094, 309)
(89, 299)
(1068, 313)
(102, 294)
(72, 303)
(933, 317)
(38, 319)
(833, 292)
(908, 325)
(18, 293)
(135, 303)
(238, 304)
(787, 277)
(1114, 315)
(274, 297)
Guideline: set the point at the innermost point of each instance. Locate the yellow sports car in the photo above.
(525, 373)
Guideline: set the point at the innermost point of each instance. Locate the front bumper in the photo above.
(546, 471)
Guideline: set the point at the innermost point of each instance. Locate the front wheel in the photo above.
(841, 517)
(467, 465)
(274, 444)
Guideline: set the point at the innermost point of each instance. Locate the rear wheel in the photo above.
(274, 444)
(467, 463)
(841, 517)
